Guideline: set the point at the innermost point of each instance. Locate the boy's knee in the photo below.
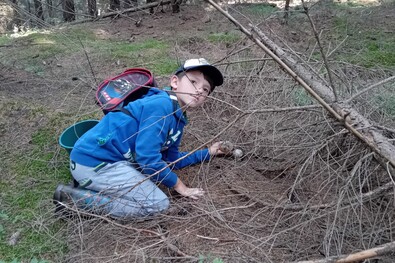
(163, 205)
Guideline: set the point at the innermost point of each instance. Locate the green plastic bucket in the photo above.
(69, 136)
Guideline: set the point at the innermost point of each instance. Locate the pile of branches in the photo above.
(315, 183)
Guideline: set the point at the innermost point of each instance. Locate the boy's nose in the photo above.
(200, 90)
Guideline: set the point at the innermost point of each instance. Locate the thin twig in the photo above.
(89, 62)
(337, 47)
(110, 220)
(321, 50)
(243, 61)
(382, 250)
(233, 53)
(369, 88)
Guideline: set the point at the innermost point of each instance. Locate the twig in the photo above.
(176, 249)
(216, 239)
(356, 257)
(360, 199)
(358, 165)
(233, 53)
(83, 212)
(245, 112)
(369, 88)
(341, 43)
(129, 10)
(390, 174)
(385, 128)
(297, 108)
(243, 61)
(89, 62)
(306, 11)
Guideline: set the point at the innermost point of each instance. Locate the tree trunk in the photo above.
(115, 5)
(151, 10)
(38, 8)
(50, 8)
(286, 10)
(130, 10)
(16, 19)
(92, 8)
(68, 10)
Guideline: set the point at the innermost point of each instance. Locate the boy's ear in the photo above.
(174, 82)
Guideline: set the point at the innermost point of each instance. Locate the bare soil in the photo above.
(255, 209)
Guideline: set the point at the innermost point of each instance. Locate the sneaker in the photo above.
(60, 199)
(63, 200)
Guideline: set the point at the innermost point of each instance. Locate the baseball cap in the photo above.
(202, 64)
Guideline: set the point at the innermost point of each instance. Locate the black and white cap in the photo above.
(202, 64)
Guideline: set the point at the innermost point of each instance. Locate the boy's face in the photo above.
(191, 89)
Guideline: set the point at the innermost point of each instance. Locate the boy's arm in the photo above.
(172, 154)
(199, 156)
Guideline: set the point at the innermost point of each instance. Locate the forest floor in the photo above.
(242, 217)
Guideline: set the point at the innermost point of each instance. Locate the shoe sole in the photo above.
(56, 195)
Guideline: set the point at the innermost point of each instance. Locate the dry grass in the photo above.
(305, 188)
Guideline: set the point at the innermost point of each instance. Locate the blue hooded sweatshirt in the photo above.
(149, 138)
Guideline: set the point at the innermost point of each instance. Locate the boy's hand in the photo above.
(183, 190)
(220, 148)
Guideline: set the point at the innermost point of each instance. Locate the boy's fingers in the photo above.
(195, 193)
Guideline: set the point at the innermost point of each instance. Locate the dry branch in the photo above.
(317, 38)
(129, 10)
(356, 257)
(356, 123)
(390, 79)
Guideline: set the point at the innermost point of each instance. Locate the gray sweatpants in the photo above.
(131, 193)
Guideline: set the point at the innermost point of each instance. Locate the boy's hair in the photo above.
(211, 73)
(206, 77)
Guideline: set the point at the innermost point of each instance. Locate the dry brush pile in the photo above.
(306, 188)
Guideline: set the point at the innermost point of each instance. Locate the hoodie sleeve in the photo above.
(155, 117)
(172, 154)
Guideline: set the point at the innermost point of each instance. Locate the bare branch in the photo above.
(117, 13)
(369, 88)
(243, 61)
(317, 38)
(363, 255)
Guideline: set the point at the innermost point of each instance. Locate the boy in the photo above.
(123, 157)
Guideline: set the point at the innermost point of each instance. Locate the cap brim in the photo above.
(212, 72)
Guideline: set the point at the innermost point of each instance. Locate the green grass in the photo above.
(227, 38)
(366, 46)
(150, 53)
(4, 40)
(300, 97)
(30, 178)
(262, 10)
(386, 103)
(42, 46)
